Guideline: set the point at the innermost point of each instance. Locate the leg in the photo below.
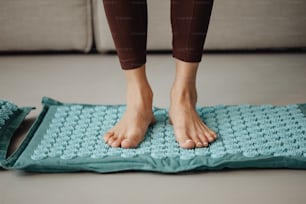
(128, 24)
(189, 20)
(193, 16)
(127, 20)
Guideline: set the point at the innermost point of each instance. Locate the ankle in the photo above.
(139, 93)
(186, 96)
(140, 97)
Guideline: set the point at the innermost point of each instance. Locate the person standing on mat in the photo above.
(127, 20)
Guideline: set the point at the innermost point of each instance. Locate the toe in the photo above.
(198, 144)
(108, 135)
(197, 141)
(131, 141)
(111, 140)
(203, 140)
(187, 144)
(116, 142)
(185, 141)
(210, 135)
(213, 134)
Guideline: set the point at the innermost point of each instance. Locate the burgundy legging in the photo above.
(127, 20)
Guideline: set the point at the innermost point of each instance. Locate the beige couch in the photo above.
(46, 25)
(80, 25)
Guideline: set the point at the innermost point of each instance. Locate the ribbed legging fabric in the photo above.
(128, 21)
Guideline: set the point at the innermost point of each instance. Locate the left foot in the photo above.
(189, 129)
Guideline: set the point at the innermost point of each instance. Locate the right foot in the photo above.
(132, 127)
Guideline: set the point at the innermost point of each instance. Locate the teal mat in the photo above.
(11, 116)
(67, 138)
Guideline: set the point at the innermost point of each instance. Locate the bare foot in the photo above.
(132, 127)
(189, 129)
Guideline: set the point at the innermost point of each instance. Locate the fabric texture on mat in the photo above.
(67, 137)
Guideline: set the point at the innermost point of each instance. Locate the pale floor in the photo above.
(222, 79)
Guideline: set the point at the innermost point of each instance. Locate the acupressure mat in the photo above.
(67, 138)
(11, 116)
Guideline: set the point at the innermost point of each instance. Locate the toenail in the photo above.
(205, 144)
(188, 141)
(199, 144)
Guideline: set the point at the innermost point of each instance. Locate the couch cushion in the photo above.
(235, 24)
(45, 25)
